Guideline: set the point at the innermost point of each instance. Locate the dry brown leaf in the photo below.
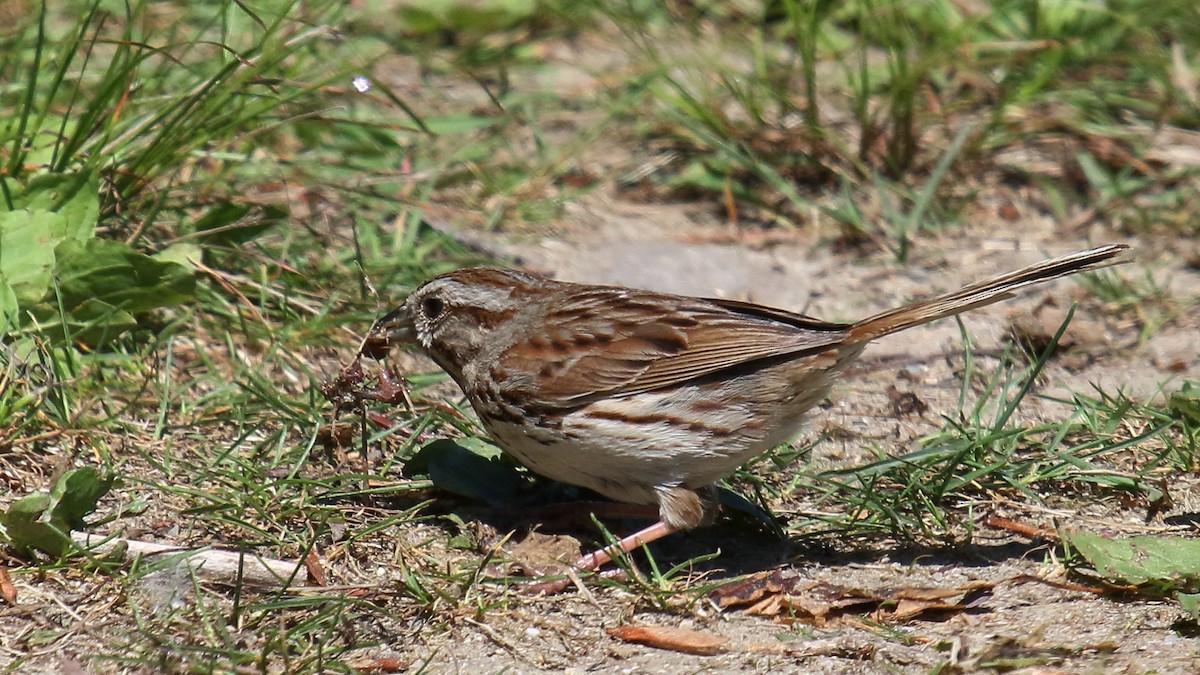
(820, 600)
(316, 571)
(1010, 525)
(8, 592)
(777, 596)
(751, 590)
(909, 609)
(912, 602)
(675, 639)
(771, 605)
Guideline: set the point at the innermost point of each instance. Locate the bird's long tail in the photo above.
(983, 293)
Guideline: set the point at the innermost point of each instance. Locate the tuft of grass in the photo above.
(936, 493)
(792, 112)
(159, 101)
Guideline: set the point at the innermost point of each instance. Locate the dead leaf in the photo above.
(675, 639)
(913, 602)
(821, 600)
(753, 589)
(316, 571)
(775, 595)
(7, 591)
(911, 608)
(772, 605)
(1030, 531)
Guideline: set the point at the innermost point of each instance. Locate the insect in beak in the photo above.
(391, 329)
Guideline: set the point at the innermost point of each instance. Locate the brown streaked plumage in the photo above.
(647, 397)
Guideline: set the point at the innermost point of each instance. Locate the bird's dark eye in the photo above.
(433, 307)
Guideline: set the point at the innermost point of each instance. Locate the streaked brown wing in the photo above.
(605, 341)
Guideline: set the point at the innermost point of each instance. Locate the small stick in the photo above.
(209, 564)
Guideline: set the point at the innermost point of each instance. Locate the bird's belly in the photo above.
(689, 435)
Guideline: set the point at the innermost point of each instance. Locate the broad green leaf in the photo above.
(481, 447)
(27, 241)
(44, 521)
(76, 495)
(93, 322)
(1166, 563)
(9, 308)
(185, 254)
(1185, 403)
(466, 473)
(114, 273)
(28, 527)
(75, 196)
(1190, 603)
(47, 210)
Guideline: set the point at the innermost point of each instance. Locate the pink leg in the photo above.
(595, 559)
(638, 539)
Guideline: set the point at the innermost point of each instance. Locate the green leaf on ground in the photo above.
(114, 273)
(1185, 403)
(47, 211)
(75, 196)
(44, 522)
(1166, 564)
(469, 468)
(27, 526)
(77, 493)
(183, 254)
(1190, 603)
(9, 307)
(92, 322)
(27, 241)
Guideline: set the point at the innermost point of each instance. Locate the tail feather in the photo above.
(983, 293)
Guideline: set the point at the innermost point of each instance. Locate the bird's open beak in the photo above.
(391, 329)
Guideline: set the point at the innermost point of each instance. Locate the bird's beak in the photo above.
(391, 329)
